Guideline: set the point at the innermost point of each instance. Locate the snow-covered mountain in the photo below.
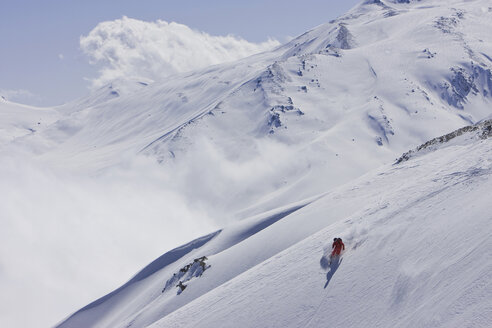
(369, 85)
(418, 254)
(288, 149)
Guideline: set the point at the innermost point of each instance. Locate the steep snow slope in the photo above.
(418, 254)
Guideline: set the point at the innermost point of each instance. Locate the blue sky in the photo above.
(42, 61)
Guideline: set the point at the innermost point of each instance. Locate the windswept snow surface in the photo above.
(418, 254)
(140, 166)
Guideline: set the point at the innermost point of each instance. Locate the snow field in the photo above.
(420, 257)
(406, 264)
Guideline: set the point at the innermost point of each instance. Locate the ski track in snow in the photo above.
(398, 274)
(402, 228)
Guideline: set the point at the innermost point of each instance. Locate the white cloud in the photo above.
(61, 56)
(129, 47)
(68, 238)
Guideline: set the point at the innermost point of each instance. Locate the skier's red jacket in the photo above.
(337, 247)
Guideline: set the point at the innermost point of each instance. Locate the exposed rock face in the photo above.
(186, 273)
(465, 81)
(344, 39)
(481, 130)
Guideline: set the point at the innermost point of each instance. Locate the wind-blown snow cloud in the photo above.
(131, 47)
(78, 236)
(68, 238)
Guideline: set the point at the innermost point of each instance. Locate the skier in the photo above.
(337, 248)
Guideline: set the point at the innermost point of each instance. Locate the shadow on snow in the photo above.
(333, 266)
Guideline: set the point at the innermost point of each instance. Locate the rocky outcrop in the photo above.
(344, 39)
(192, 270)
(466, 81)
(481, 130)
